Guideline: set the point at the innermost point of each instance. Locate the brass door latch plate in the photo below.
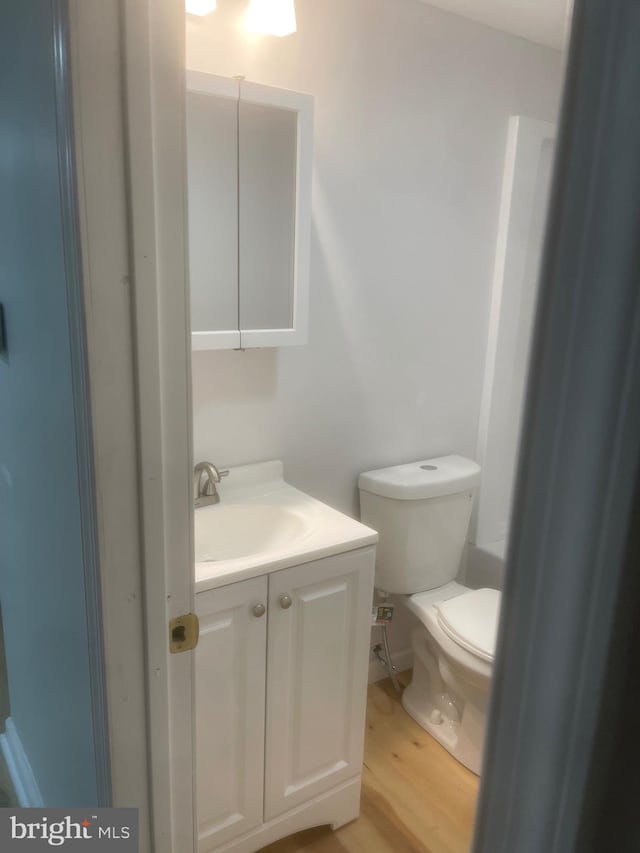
(184, 632)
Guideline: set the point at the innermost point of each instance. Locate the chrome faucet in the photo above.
(207, 494)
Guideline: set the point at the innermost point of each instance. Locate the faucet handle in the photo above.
(210, 486)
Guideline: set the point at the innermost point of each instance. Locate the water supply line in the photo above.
(385, 659)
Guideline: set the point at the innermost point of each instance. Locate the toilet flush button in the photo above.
(436, 717)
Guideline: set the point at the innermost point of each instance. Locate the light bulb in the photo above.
(273, 17)
(200, 7)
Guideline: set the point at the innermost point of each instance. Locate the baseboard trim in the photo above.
(402, 659)
(24, 782)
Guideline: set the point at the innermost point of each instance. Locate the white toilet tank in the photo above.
(422, 512)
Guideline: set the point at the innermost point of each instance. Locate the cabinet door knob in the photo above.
(259, 610)
(285, 602)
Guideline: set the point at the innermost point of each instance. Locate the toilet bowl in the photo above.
(421, 511)
(453, 652)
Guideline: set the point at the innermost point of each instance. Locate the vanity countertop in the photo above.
(263, 524)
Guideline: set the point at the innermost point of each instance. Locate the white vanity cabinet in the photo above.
(280, 701)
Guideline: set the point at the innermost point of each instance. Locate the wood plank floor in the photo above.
(416, 798)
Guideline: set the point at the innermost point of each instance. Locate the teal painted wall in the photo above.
(42, 587)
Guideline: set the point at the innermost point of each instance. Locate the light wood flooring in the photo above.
(416, 798)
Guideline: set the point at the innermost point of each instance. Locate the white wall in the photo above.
(514, 295)
(412, 107)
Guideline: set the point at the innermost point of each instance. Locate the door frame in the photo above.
(564, 599)
(128, 78)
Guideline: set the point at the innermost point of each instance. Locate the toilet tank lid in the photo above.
(428, 478)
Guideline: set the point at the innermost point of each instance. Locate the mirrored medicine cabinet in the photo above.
(249, 161)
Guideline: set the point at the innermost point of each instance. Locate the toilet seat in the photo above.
(465, 620)
(471, 621)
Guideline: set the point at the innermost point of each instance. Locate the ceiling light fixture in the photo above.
(200, 7)
(272, 17)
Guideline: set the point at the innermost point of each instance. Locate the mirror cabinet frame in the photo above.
(302, 104)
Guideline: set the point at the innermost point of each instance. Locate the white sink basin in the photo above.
(230, 531)
(263, 524)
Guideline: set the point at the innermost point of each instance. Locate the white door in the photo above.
(128, 91)
(316, 675)
(230, 686)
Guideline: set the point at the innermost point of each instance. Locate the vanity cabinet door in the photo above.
(230, 687)
(317, 666)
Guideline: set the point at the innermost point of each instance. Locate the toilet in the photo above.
(421, 512)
